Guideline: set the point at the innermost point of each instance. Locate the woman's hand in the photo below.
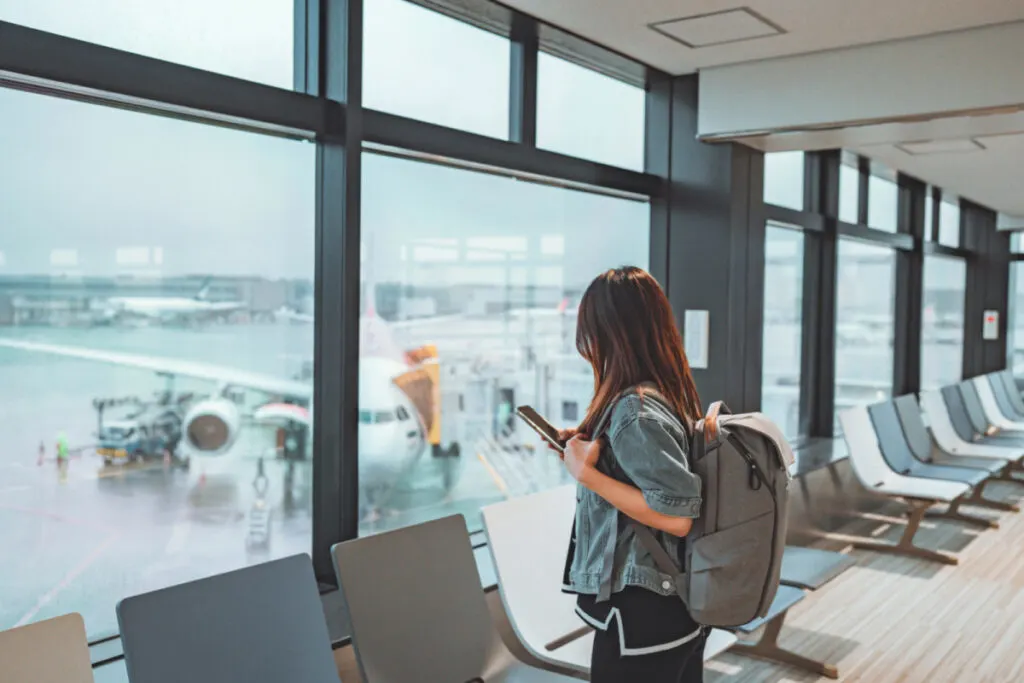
(564, 435)
(580, 458)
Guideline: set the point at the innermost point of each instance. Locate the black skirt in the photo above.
(647, 623)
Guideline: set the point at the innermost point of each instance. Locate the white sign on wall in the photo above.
(990, 326)
(695, 338)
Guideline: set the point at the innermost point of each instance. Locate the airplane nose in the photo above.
(381, 450)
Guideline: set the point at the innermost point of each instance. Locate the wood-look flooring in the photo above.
(891, 619)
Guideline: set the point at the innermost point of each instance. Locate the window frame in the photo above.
(325, 107)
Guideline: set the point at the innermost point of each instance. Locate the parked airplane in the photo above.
(169, 308)
(398, 415)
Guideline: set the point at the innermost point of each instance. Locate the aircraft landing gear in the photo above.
(448, 459)
(258, 538)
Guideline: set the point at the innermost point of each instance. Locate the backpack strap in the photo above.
(661, 557)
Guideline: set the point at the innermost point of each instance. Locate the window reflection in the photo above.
(205, 34)
(784, 179)
(783, 324)
(583, 113)
(1015, 337)
(849, 192)
(949, 222)
(883, 203)
(155, 351)
(864, 324)
(422, 64)
(942, 328)
(470, 286)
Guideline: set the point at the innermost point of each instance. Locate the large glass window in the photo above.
(586, 114)
(849, 191)
(949, 222)
(942, 329)
(883, 203)
(471, 283)
(427, 66)
(205, 34)
(783, 324)
(864, 323)
(929, 214)
(784, 179)
(155, 350)
(1015, 326)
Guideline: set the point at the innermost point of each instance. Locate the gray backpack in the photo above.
(733, 552)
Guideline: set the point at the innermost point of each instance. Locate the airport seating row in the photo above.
(413, 597)
(415, 608)
(941, 451)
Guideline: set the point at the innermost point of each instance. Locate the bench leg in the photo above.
(1007, 474)
(977, 499)
(767, 648)
(905, 546)
(953, 514)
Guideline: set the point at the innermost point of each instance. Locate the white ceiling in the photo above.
(992, 177)
(809, 25)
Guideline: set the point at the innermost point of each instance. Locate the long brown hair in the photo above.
(627, 332)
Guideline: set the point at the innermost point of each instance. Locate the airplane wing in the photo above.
(172, 366)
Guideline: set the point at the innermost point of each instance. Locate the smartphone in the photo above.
(541, 426)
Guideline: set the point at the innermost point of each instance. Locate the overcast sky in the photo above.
(93, 191)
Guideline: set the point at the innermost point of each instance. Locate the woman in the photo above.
(644, 404)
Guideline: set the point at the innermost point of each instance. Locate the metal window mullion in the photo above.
(525, 47)
(336, 326)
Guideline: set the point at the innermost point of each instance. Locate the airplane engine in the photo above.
(211, 427)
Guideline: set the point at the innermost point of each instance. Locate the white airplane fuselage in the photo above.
(155, 307)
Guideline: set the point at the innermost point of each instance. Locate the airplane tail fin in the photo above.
(204, 291)
(422, 384)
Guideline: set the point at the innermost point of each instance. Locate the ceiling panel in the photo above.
(991, 177)
(806, 25)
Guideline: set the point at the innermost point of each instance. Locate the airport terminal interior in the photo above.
(276, 274)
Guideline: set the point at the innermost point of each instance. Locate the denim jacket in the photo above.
(647, 447)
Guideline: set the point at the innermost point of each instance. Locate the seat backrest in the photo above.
(261, 624)
(1012, 390)
(891, 441)
(528, 537)
(415, 604)
(918, 437)
(51, 651)
(995, 382)
(972, 404)
(865, 457)
(954, 401)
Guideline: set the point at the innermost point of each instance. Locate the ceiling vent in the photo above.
(926, 147)
(718, 28)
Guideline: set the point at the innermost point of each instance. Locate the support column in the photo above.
(988, 285)
(715, 251)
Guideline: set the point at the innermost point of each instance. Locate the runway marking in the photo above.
(67, 580)
(13, 489)
(498, 480)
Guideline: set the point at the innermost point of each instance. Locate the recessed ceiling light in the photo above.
(924, 147)
(717, 28)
